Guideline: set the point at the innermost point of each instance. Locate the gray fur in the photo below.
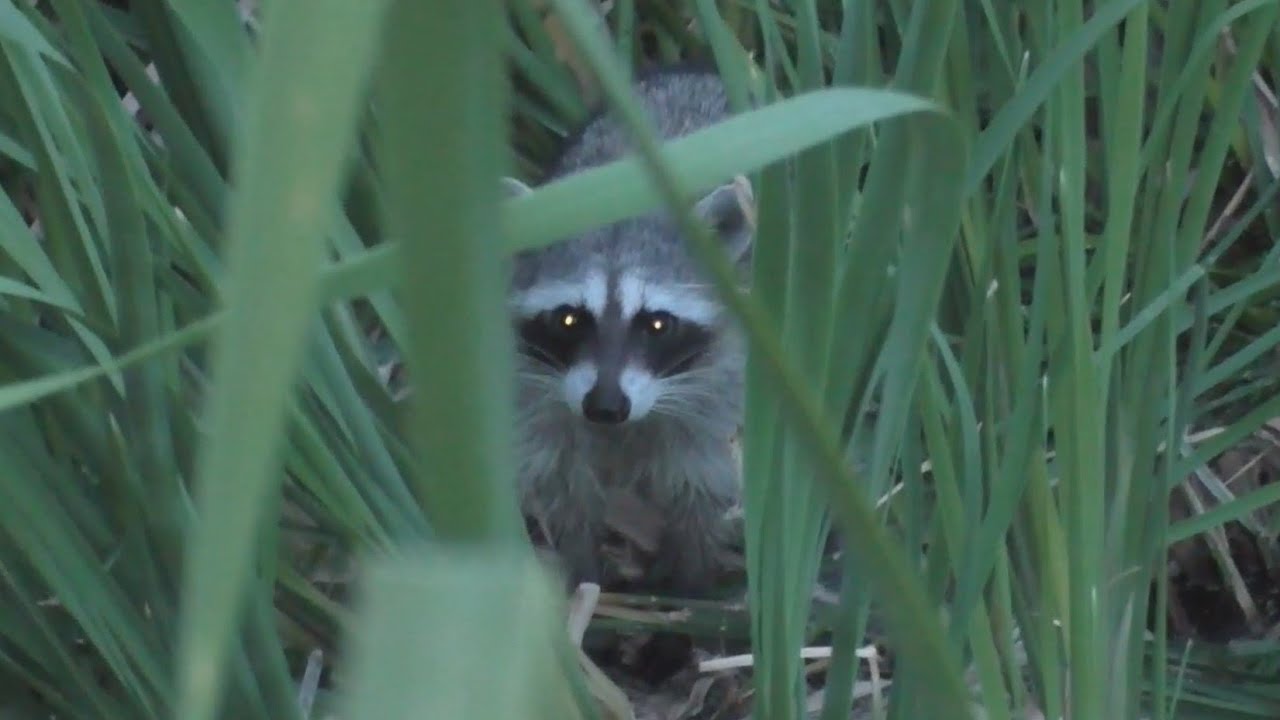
(677, 102)
(679, 456)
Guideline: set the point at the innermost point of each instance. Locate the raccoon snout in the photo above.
(608, 397)
(606, 404)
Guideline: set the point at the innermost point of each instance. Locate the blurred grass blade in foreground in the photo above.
(443, 148)
(444, 633)
(307, 92)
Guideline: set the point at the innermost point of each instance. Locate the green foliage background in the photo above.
(1012, 259)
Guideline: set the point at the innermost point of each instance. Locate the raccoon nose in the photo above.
(606, 404)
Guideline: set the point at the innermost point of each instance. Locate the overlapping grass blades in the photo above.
(366, 501)
(805, 448)
(1073, 564)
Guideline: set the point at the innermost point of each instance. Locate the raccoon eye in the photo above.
(659, 323)
(569, 320)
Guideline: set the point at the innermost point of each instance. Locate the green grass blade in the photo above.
(428, 630)
(301, 118)
(702, 160)
(442, 165)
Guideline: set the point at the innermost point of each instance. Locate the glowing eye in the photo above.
(660, 323)
(569, 320)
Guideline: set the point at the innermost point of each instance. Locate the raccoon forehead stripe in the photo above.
(589, 292)
(635, 295)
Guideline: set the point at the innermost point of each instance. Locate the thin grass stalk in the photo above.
(797, 519)
(731, 59)
(1126, 106)
(857, 61)
(765, 449)
(1037, 539)
(1123, 113)
(761, 438)
(1078, 428)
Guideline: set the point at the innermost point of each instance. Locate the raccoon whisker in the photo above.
(694, 410)
(697, 403)
(680, 405)
(538, 374)
(538, 355)
(693, 388)
(533, 410)
(694, 376)
(523, 420)
(689, 411)
(684, 415)
(536, 380)
(537, 402)
(687, 407)
(698, 373)
(539, 371)
(695, 397)
(669, 367)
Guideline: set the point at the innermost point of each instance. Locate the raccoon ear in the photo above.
(513, 187)
(730, 210)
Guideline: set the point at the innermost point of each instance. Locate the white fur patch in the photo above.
(590, 293)
(635, 295)
(577, 383)
(641, 388)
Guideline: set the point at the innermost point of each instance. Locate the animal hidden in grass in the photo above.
(630, 369)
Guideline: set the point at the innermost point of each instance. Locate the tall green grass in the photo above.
(985, 320)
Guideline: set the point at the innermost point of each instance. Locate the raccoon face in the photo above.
(618, 352)
(618, 325)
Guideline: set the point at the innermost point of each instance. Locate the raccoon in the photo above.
(630, 370)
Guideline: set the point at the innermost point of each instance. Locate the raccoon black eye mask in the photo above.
(557, 336)
(662, 341)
